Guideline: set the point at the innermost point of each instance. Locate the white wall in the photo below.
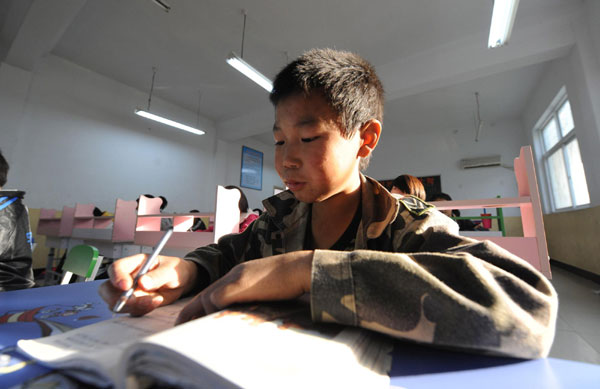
(438, 151)
(592, 13)
(229, 162)
(14, 87)
(579, 72)
(70, 136)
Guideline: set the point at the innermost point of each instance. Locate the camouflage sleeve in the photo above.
(450, 291)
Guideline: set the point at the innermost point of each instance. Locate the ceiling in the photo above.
(430, 53)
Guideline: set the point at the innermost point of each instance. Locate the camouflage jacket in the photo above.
(407, 274)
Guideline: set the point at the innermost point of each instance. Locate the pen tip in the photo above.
(119, 305)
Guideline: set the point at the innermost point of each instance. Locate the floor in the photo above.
(578, 326)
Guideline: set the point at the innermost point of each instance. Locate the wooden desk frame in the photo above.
(532, 246)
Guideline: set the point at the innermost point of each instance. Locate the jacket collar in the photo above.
(379, 209)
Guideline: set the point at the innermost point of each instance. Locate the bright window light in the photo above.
(168, 122)
(503, 17)
(248, 71)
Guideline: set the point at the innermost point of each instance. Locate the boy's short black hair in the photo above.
(3, 170)
(346, 80)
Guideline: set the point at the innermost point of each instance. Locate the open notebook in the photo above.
(250, 346)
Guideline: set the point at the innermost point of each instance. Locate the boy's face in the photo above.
(312, 157)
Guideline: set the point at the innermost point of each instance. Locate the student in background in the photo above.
(165, 223)
(198, 224)
(15, 237)
(98, 212)
(463, 225)
(366, 258)
(246, 218)
(163, 205)
(408, 185)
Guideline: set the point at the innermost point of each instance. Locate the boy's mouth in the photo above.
(294, 185)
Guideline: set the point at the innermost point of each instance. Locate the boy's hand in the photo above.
(169, 279)
(280, 277)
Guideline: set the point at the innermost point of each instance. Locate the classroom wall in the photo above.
(14, 87)
(571, 237)
(592, 13)
(71, 136)
(228, 170)
(438, 151)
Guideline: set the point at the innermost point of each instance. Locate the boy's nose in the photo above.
(291, 163)
(291, 159)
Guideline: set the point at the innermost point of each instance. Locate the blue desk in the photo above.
(37, 312)
(419, 367)
(26, 314)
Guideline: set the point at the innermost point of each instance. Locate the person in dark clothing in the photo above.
(463, 225)
(15, 237)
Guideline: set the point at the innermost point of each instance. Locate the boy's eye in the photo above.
(278, 143)
(307, 140)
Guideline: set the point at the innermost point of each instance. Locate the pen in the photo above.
(143, 270)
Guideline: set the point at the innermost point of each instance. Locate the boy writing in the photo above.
(367, 259)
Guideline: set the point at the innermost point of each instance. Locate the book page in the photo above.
(92, 353)
(261, 346)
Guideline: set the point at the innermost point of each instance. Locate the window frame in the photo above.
(550, 114)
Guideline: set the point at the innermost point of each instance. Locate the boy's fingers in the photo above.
(199, 306)
(140, 302)
(120, 271)
(160, 276)
(144, 304)
(189, 312)
(109, 293)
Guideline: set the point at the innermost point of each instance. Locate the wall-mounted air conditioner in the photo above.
(471, 163)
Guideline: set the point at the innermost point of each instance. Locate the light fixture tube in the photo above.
(166, 7)
(503, 17)
(248, 71)
(168, 122)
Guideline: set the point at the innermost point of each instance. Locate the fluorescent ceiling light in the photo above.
(166, 7)
(168, 122)
(503, 17)
(248, 71)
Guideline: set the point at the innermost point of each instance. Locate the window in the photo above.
(560, 157)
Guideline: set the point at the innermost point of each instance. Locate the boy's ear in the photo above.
(369, 136)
